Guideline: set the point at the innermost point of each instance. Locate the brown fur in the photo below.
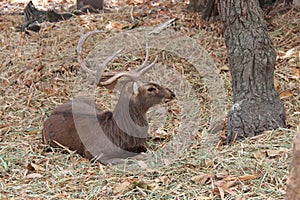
(60, 128)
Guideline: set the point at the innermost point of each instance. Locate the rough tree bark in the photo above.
(210, 10)
(293, 191)
(251, 58)
(209, 7)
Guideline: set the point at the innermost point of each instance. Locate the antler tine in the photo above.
(146, 68)
(146, 59)
(81, 41)
(130, 75)
(101, 67)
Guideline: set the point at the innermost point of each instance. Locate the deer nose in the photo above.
(171, 94)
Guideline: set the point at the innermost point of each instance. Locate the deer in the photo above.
(80, 126)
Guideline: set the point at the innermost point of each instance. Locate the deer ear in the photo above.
(135, 88)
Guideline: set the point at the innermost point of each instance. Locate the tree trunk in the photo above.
(196, 5)
(293, 191)
(210, 10)
(266, 3)
(251, 58)
(97, 4)
(288, 2)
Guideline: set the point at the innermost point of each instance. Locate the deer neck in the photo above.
(130, 118)
(137, 109)
(141, 104)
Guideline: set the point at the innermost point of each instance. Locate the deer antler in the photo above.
(132, 74)
(81, 41)
(100, 68)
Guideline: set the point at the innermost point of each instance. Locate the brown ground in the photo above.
(38, 71)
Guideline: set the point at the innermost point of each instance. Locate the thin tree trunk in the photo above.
(266, 3)
(97, 4)
(288, 2)
(196, 5)
(251, 58)
(293, 189)
(209, 10)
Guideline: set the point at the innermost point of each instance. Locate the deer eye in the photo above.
(151, 89)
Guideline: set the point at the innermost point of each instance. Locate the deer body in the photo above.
(106, 136)
(80, 126)
(60, 129)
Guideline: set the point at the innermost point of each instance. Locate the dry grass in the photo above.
(38, 72)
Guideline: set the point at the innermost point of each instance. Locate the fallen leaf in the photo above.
(273, 153)
(224, 68)
(291, 53)
(160, 134)
(142, 164)
(260, 155)
(223, 187)
(241, 178)
(247, 177)
(32, 130)
(135, 2)
(229, 184)
(162, 179)
(222, 174)
(296, 72)
(276, 84)
(117, 25)
(122, 187)
(59, 195)
(34, 175)
(141, 184)
(35, 167)
(285, 94)
(229, 178)
(201, 24)
(221, 191)
(201, 179)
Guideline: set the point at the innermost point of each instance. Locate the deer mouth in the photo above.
(170, 97)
